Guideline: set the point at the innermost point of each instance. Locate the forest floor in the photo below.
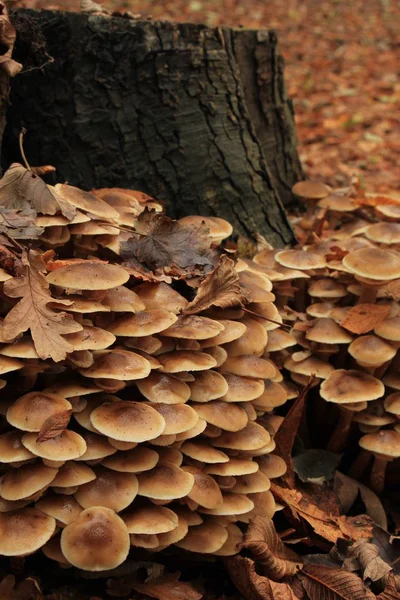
(342, 71)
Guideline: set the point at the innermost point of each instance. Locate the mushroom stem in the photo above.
(341, 431)
(368, 294)
(378, 471)
(359, 466)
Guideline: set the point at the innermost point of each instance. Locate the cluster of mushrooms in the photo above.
(348, 255)
(171, 433)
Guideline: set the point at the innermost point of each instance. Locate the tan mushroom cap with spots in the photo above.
(301, 259)
(344, 386)
(235, 466)
(371, 350)
(31, 410)
(62, 508)
(90, 338)
(205, 491)
(150, 520)
(251, 437)
(88, 275)
(135, 460)
(140, 324)
(66, 446)
(242, 389)
(97, 447)
(310, 366)
(327, 287)
(273, 395)
(384, 442)
(128, 421)
(389, 329)
(118, 364)
(392, 404)
(161, 387)
(165, 482)
(233, 504)
(24, 531)
(253, 341)
(97, 540)
(17, 484)
(110, 488)
(326, 331)
(229, 417)
(12, 449)
(374, 263)
(86, 201)
(203, 452)
(193, 327)
(72, 474)
(122, 299)
(186, 360)
(160, 296)
(205, 538)
(233, 330)
(272, 465)
(178, 417)
(250, 366)
(207, 385)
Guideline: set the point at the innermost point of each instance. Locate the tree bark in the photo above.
(196, 117)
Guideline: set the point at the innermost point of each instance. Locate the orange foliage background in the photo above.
(342, 60)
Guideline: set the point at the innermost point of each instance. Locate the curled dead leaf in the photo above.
(167, 587)
(365, 317)
(327, 583)
(54, 425)
(364, 556)
(7, 39)
(347, 490)
(263, 542)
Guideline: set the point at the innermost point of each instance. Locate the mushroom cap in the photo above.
(233, 504)
(195, 431)
(233, 543)
(12, 449)
(82, 305)
(251, 437)
(326, 331)
(235, 466)
(338, 203)
(8, 364)
(202, 452)
(375, 420)
(86, 201)
(132, 461)
(391, 404)
(279, 339)
(159, 295)
(140, 324)
(66, 446)
(122, 299)
(73, 388)
(165, 482)
(389, 329)
(97, 540)
(309, 366)
(90, 338)
(88, 275)
(62, 508)
(218, 353)
(272, 465)
(311, 190)
(83, 417)
(149, 344)
(374, 263)
(229, 417)
(17, 484)
(171, 537)
(384, 233)
(320, 309)
(273, 395)
(172, 455)
(178, 417)
(252, 483)
(150, 520)
(205, 538)
(24, 531)
(219, 229)
(207, 385)
(118, 364)
(391, 211)
(128, 421)
(301, 259)
(384, 442)
(344, 386)
(371, 350)
(263, 504)
(193, 327)
(73, 474)
(242, 389)
(253, 341)
(97, 447)
(233, 330)
(23, 348)
(31, 410)
(250, 366)
(186, 360)
(205, 491)
(327, 287)
(52, 549)
(110, 488)
(161, 387)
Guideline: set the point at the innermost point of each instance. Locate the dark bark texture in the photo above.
(196, 117)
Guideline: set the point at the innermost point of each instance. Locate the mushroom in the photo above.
(385, 445)
(24, 531)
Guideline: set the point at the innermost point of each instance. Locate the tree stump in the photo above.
(196, 116)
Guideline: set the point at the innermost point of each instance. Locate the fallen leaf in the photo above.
(220, 288)
(336, 253)
(43, 170)
(54, 425)
(365, 317)
(32, 312)
(364, 556)
(287, 432)
(19, 224)
(390, 592)
(10, 260)
(327, 583)
(177, 249)
(7, 39)
(316, 465)
(263, 542)
(134, 268)
(6, 586)
(347, 490)
(253, 586)
(167, 587)
(22, 189)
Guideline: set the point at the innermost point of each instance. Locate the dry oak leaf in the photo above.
(167, 587)
(32, 311)
(253, 586)
(220, 288)
(178, 250)
(7, 40)
(21, 189)
(365, 317)
(325, 524)
(54, 425)
(327, 583)
(264, 544)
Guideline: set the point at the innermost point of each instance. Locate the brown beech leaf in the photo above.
(267, 548)
(390, 592)
(7, 39)
(177, 249)
(167, 587)
(253, 586)
(54, 425)
(220, 288)
(327, 583)
(347, 490)
(22, 189)
(322, 515)
(32, 311)
(287, 432)
(365, 317)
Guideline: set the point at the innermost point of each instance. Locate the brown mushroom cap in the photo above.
(229, 417)
(391, 404)
(195, 431)
(273, 395)
(202, 452)
(193, 327)
(384, 233)
(384, 442)
(233, 543)
(97, 540)
(309, 366)
(24, 531)
(161, 387)
(140, 324)
(62, 508)
(327, 287)
(90, 338)
(251, 437)
(351, 386)
(118, 364)
(178, 417)
(31, 410)
(371, 350)
(233, 330)
(272, 465)
(311, 190)
(233, 504)
(301, 259)
(252, 483)
(11, 448)
(279, 340)
(320, 309)
(205, 538)
(326, 331)
(263, 504)
(186, 360)
(218, 353)
(132, 461)
(373, 263)
(128, 421)
(122, 299)
(66, 446)
(17, 484)
(165, 482)
(159, 296)
(242, 389)
(110, 488)
(235, 466)
(219, 229)
(171, 537)
(253, 341)
(73, 474)
(389, 329)
(8, 364)
(205, 491)
(207, 385)
(88, 275)
(97, 447)
(23, 348)
(150, 520)
(250, 366)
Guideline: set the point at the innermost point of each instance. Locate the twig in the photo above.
(21, 148)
